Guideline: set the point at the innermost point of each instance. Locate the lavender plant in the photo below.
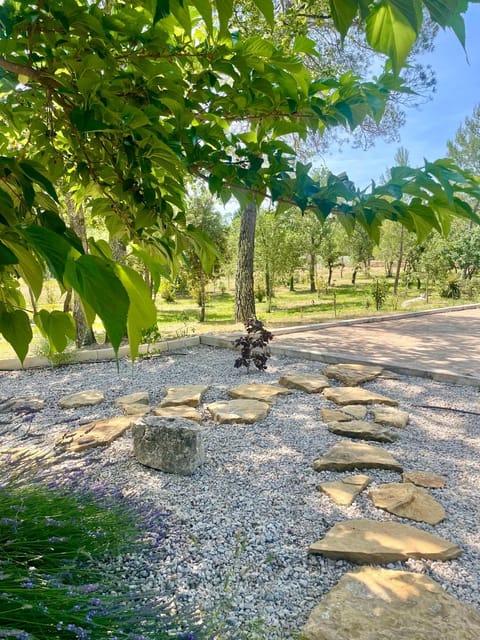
(51, 582)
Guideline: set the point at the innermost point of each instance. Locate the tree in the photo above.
(328, 248)
(464, 149)
(202, 213)
(359, 248)
(128, 103)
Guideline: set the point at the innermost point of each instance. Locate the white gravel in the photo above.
(238, 529)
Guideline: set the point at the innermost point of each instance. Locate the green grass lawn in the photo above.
(287, 308)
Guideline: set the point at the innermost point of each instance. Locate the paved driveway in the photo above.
(448, 342)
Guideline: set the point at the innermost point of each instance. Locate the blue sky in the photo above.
(429, 126)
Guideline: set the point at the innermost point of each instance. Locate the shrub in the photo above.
(168, 291)
(379, 292)
(450, 288)
(260, 293)
(253, 345)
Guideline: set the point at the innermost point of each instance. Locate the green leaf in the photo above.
(95, 281)
(162, 10)
(391, 33)
(142, 312)
(303, 44)
(29, 266)
(58, 327)
(33, 171)
(6, 256)
(53, 248)
(225, 10)
(443, 11)
(204, 8)
(266, 8)
(15, 328)
(84, 120)
(343, 14)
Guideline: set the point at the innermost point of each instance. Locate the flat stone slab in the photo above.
(372, 542)
(356, 395)
(189, 394)
(424, 479)
(391, 417)
(262, 392)
(242, 410)
(362, 430)
(347, 455)
(379, 604)
(357, 411)
(22, 404)
(135, 409)
(140, 397)
(352, 374)
(406, 500)
(82, 399)
(179, 411)
(307, 383)
(93, 434)
(343, 492)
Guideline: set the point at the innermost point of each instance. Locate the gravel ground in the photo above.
(238, 529)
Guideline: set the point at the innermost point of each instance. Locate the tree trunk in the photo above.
(399, 263)
(291, 284)
(354, 274)
(84, 333)
(244, 292)
(330, 274)
(203, 297)
(312, 267)
(268, 284)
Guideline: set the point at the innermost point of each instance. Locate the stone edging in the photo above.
(310, 353)
(97, 355)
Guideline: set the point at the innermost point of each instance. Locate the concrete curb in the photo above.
(370, 319)
(439, 375)
(100, 355)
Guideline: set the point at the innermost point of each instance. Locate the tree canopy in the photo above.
(119, 102)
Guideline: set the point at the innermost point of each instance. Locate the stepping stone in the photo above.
(407, 501)
(22, 404)
(362, 430)
(135, 409)
(352, 374)
(180, 411)
(232, 411)
(263, 392)
(307, 383)
(82, 399)
(347, 455)
(189, 394)
(358, 411)
(380, 604)
(391, 417)
(94, 434)
(372, 542)
(344, 491)
(354, 395)
(347, 413)
(424, 479)
(140, 397)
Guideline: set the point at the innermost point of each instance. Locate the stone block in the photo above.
(172, 445)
